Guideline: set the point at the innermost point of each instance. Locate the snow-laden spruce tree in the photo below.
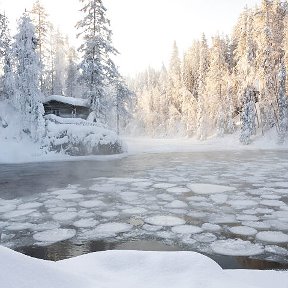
(282, 105)
(39, 18)
(28, 69)
(248, 116)
(7, 80)
(97, 67)
(123, 99)
(202, 122)
(72, 88)
(59, 64)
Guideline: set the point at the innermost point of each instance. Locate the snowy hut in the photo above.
(66, 107)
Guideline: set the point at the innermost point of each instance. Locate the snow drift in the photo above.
(130, 269)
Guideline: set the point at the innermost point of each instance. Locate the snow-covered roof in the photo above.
(67, 100)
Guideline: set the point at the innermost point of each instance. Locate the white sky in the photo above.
(144, 30)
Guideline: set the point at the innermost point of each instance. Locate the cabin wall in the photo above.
(65, 110)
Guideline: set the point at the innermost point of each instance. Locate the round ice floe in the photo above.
(247, 218)
(219, 198)
(186, 229)
(279, 225)
(272, 237)
(276, 250)
(92, 203)
(205, 237)
(177, 204)
(200, 188)
(162, 220)
(211, 227)
(270, 196)
(130, 196)
(85, 214)
(281, 214)
(3, 224)
(242, 204)
(7, 208)
(165, 197)
(110, 229)
(70, 196)
(19, 226)
(272, 203)
(85, 223)
(264, 210)
(65, 216)
(243, 230)
(17, 213)
(236, 247)
(64, 191)
(54, 235)
(197, 214)
(142, 184)
(110, 214)
(30, 205)
(178, 190)
(257, 224)
(151, 228)
(106, 188)
(223, 219)
(135, 210)
(197, 199)
(164, 185)
(45, 226)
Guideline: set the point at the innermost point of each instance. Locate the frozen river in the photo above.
(222, 204)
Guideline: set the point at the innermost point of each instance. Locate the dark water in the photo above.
(24, 180)
(64, 250)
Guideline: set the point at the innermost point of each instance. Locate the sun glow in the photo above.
(143, 30)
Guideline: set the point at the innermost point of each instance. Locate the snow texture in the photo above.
(130, 269)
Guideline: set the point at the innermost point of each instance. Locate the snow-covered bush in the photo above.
(82, 138)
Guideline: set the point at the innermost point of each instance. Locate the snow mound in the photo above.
(78, 139)
(236, 247)
(130, 269)
(200, 188)
(162, 220)
(272, 237)
(55, 235)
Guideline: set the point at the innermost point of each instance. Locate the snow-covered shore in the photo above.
(130, 269)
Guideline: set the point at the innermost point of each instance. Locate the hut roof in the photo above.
(67, 100)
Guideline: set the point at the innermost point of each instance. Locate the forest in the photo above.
(230, 84)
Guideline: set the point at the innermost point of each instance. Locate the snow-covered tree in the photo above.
(71, 83)
(123, 102)
(39, 18)
(28, 69)
(282, 105)
(203, 69)
(7, 80)
(59, 73)
(97, 67)
(248, 116)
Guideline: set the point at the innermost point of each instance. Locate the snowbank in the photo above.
(82, 138)
(130, 269)
(183, 145)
